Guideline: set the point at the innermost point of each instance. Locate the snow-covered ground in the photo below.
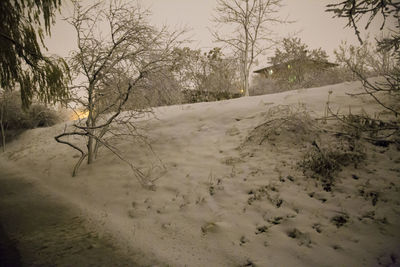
(225, 200)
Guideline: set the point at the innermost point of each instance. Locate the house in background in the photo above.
(294, 74)
(295, 71)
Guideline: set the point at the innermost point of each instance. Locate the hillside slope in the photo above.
(232, 195)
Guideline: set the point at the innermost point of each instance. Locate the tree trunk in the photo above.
(3, 137)
(90, 123)
(90, 150)
(97, 145)
(3, 132)
(246, 52)
(78, 164)
(246, 84)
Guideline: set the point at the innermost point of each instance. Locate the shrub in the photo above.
(289, 125)
(374, 130)
(262, 85)
(195, 96)
(42, 116)
(327, 77)
(15, 120)
(325, 163)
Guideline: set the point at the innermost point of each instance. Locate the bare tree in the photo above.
(117, 49)
(189, 68)
(210, 71)
(251, 32)
(387, 92)
(354, 10)
(365, 59)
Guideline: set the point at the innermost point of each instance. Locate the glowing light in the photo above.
(79, 114)
(241, 91)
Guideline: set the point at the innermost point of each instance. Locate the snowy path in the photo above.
(47, 232)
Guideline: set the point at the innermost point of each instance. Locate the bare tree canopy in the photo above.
(117, 50)
(209, 71)
(251, 23)
(21, 60)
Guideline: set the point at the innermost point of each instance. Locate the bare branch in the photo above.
(113, 64)
(252, 21)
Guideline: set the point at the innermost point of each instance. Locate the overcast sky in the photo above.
(315, 27)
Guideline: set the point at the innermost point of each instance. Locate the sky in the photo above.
(313, 25)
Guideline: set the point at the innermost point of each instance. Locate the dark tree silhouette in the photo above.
(23, 26)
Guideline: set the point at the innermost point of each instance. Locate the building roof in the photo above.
(323, 64)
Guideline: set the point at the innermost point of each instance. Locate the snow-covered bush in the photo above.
(286, 125)
(323, 163)
(14, 119)
(42, 116)
(196, 96)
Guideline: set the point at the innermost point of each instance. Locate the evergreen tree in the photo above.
(295, 61)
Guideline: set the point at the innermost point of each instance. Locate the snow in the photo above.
(222, 201)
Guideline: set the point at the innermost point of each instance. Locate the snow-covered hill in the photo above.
(225, 200)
